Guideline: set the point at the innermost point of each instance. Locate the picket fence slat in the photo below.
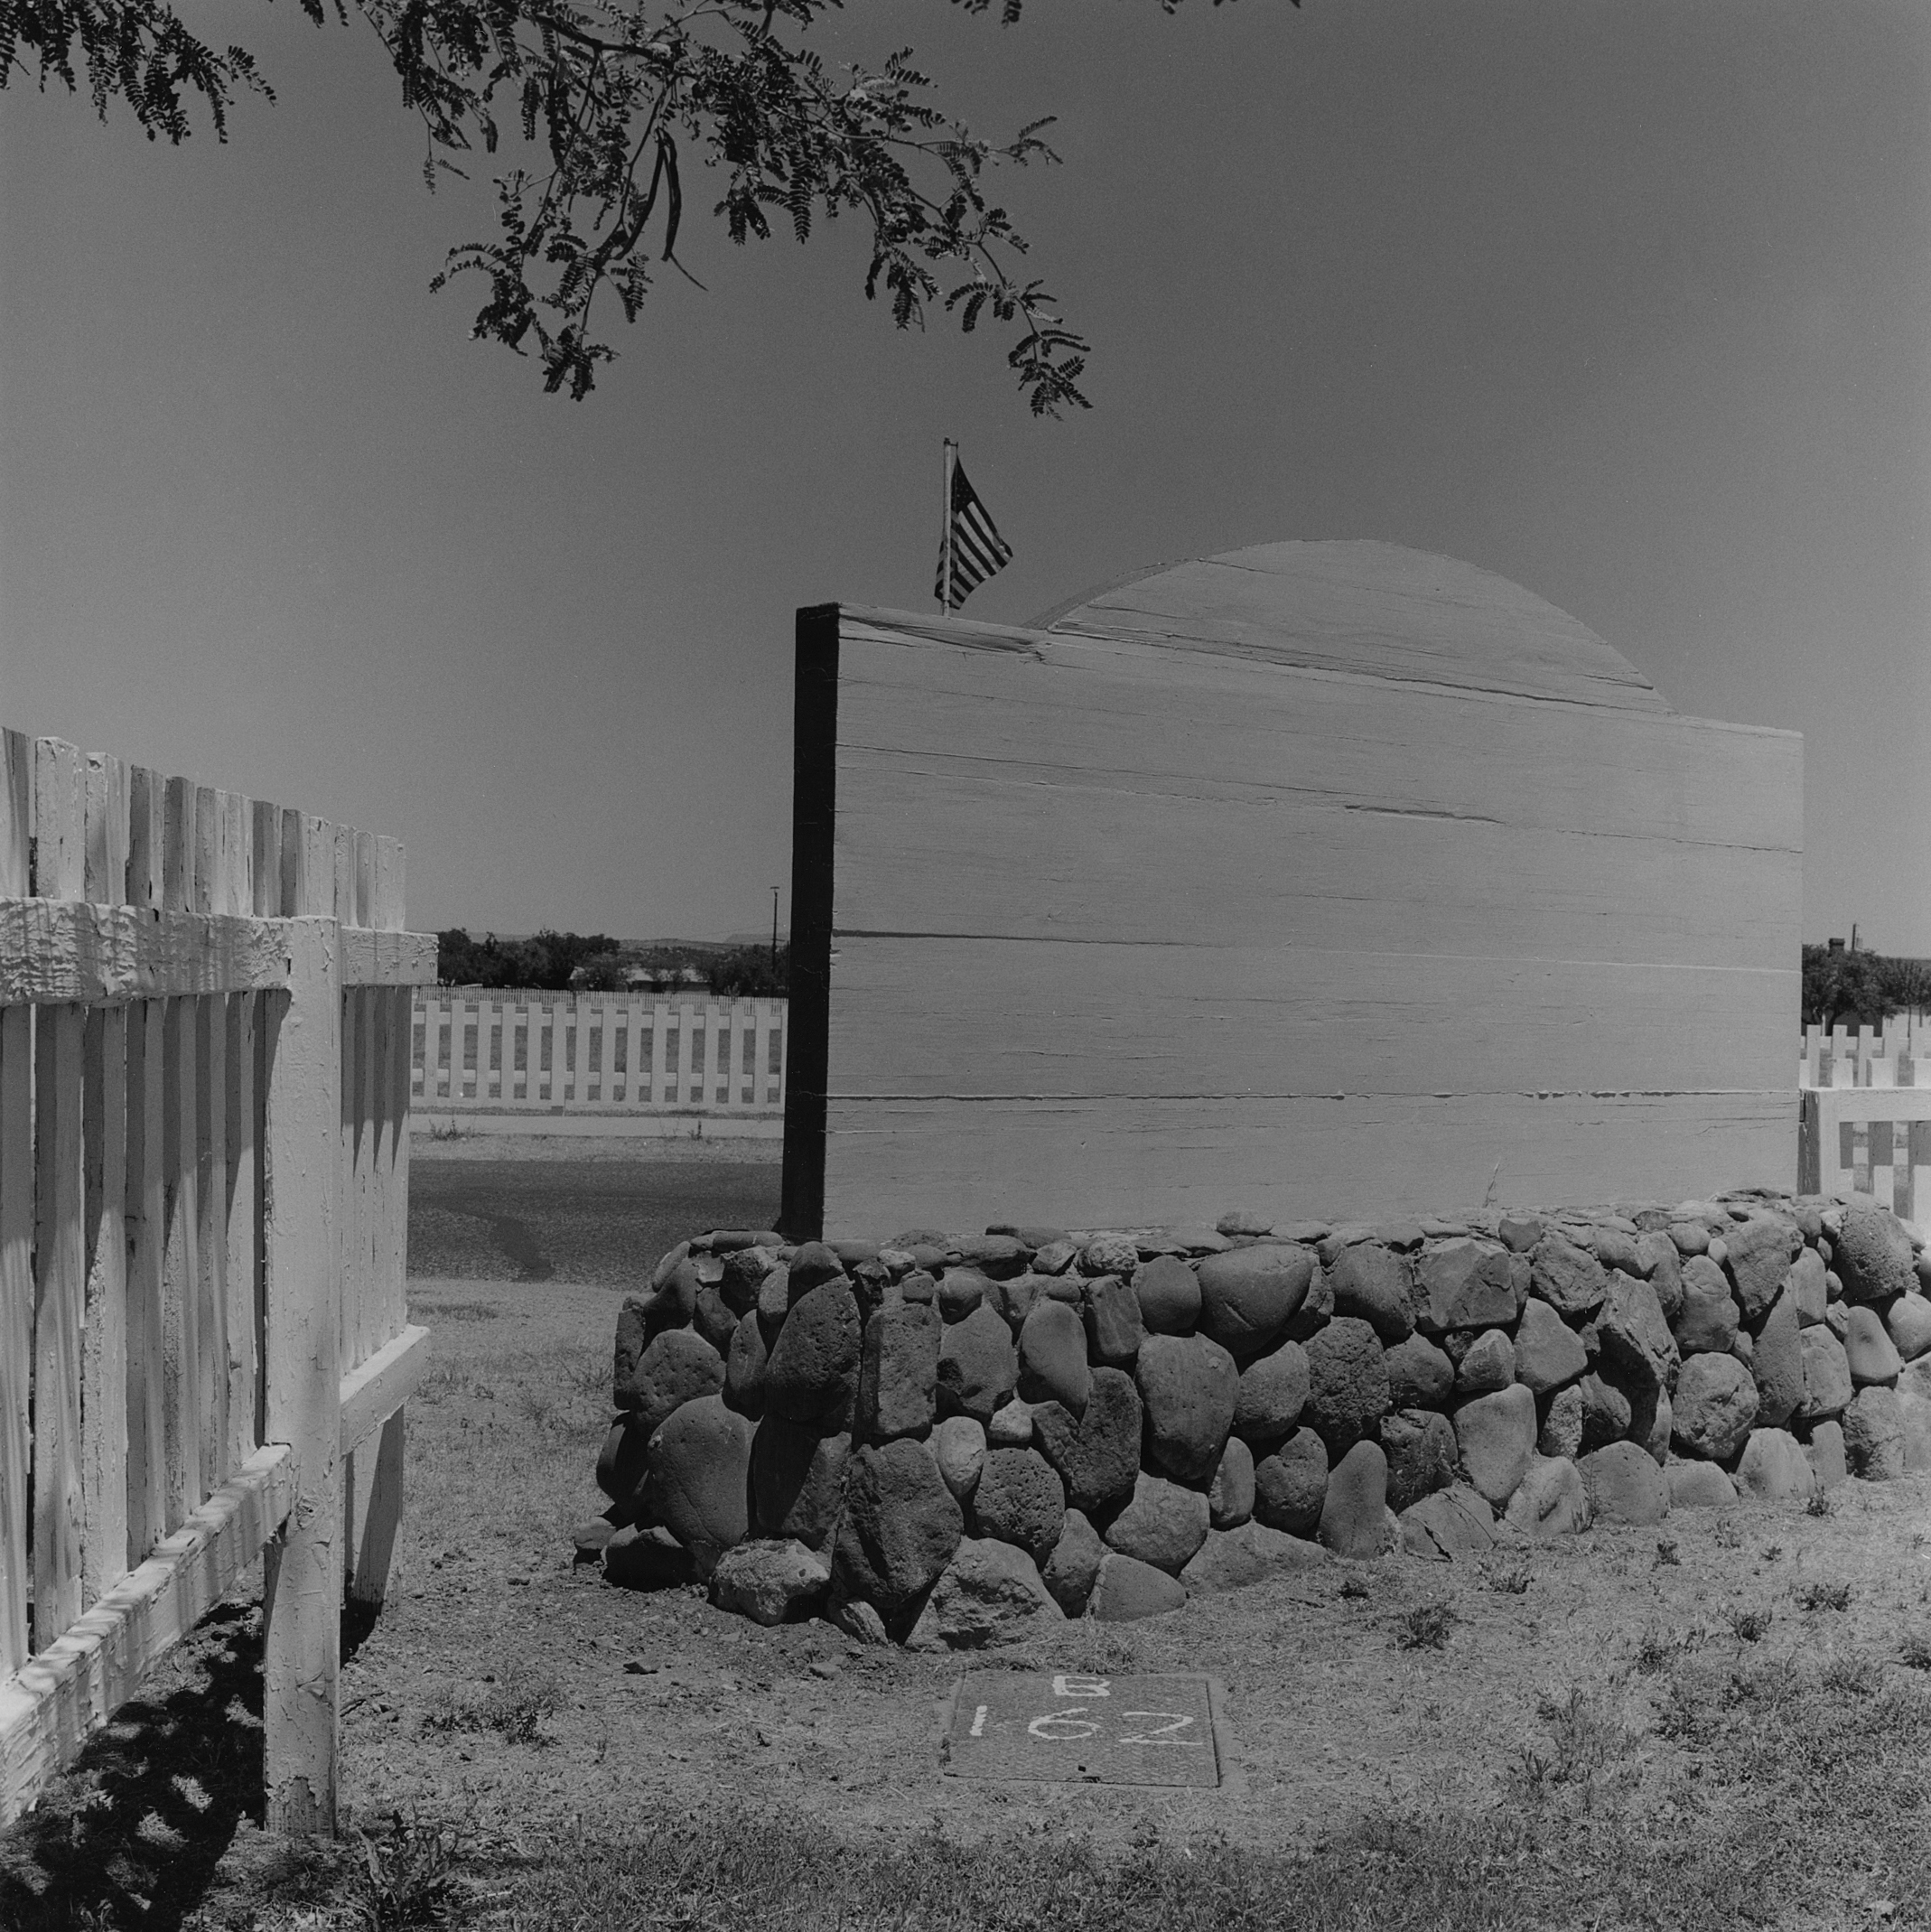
(303, 1584)
(104, 1335)
(243, 1230)
(211, 1240)
(205, 1081)
(56, 1700)
(16, 1314)
(59, 1290)
(146, 1298)
(595, 1054)
(16, 814)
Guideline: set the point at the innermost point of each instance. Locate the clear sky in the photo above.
(1630, 301)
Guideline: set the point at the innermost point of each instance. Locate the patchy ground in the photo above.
(1743, 1694)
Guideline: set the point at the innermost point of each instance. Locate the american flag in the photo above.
(972, 547)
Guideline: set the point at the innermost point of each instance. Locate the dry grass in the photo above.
(1572, 1735)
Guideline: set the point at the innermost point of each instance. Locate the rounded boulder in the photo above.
(1774, 1468)
(1126, 1590)
(1495, 1437)
(1874, 1434)
(1551, 1499)
(1053, 1357)
(1375, 1284)
(1354, 1513)
(1868, 1348)
(1420, 1374)
(1420, 1448)
(1098, 1454)
(1071, 1570)
(1827, 1385)
(1230, 1495)
(698, 1478)
(1114, 1328)
(812, 1375)
(1715, 1407)
(1163, 1524)
(1347, 1383)
(1019, 1500)
(1872, 1255)
(958, 1448)
(1291, 1483)
(797, 1480)
(901, 1525)
(1168, 1293)
(1248, 1295)
(1272, 1392)
(1188, 1387)
(1625, 1485)
(978, 1367)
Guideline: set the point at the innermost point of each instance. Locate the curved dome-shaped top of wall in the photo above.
(1369, 610)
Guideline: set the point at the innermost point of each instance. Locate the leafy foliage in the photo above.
(620, 97)
(544, 962)
(555, 962)
(1843, 988)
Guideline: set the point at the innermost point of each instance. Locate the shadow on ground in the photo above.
(132, 1833)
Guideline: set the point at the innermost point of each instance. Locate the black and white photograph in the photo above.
(965, 965)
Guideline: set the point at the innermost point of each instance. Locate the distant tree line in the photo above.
(593, 962)
(1846, 988)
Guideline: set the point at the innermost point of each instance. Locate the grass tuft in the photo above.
(1427, 1627)
(514, 1711)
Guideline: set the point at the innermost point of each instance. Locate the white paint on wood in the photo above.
(365, 879)
(264, 860)
(49, 1710)
(107, 829)
(59, 1301)
(16, 814)
(147, 1230)
(304, 1582)
(389, 959)
(104, 1333)
(177, 869)
(391, 878)
(378, 1500)
(16, 1317)
(146, 837)
(376, 1388)
(208, 856)
(52, 952)
(181, 1299)
(243, 1230)
(212, 1365)
(60, 821)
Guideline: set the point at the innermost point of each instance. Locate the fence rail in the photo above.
(204, 1103)
(1896, 1054)
(597, 1053)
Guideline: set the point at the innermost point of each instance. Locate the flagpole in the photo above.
(945, 511)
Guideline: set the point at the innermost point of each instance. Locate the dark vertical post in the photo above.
(814, 819)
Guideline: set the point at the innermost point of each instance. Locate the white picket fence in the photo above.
(596, 1053)
(1895, 1054)
(204, 1157)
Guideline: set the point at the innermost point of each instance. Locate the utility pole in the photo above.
(774, 930)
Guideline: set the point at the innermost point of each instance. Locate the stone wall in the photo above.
(931, 1437)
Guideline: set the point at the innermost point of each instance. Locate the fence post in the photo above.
(302, 1586)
